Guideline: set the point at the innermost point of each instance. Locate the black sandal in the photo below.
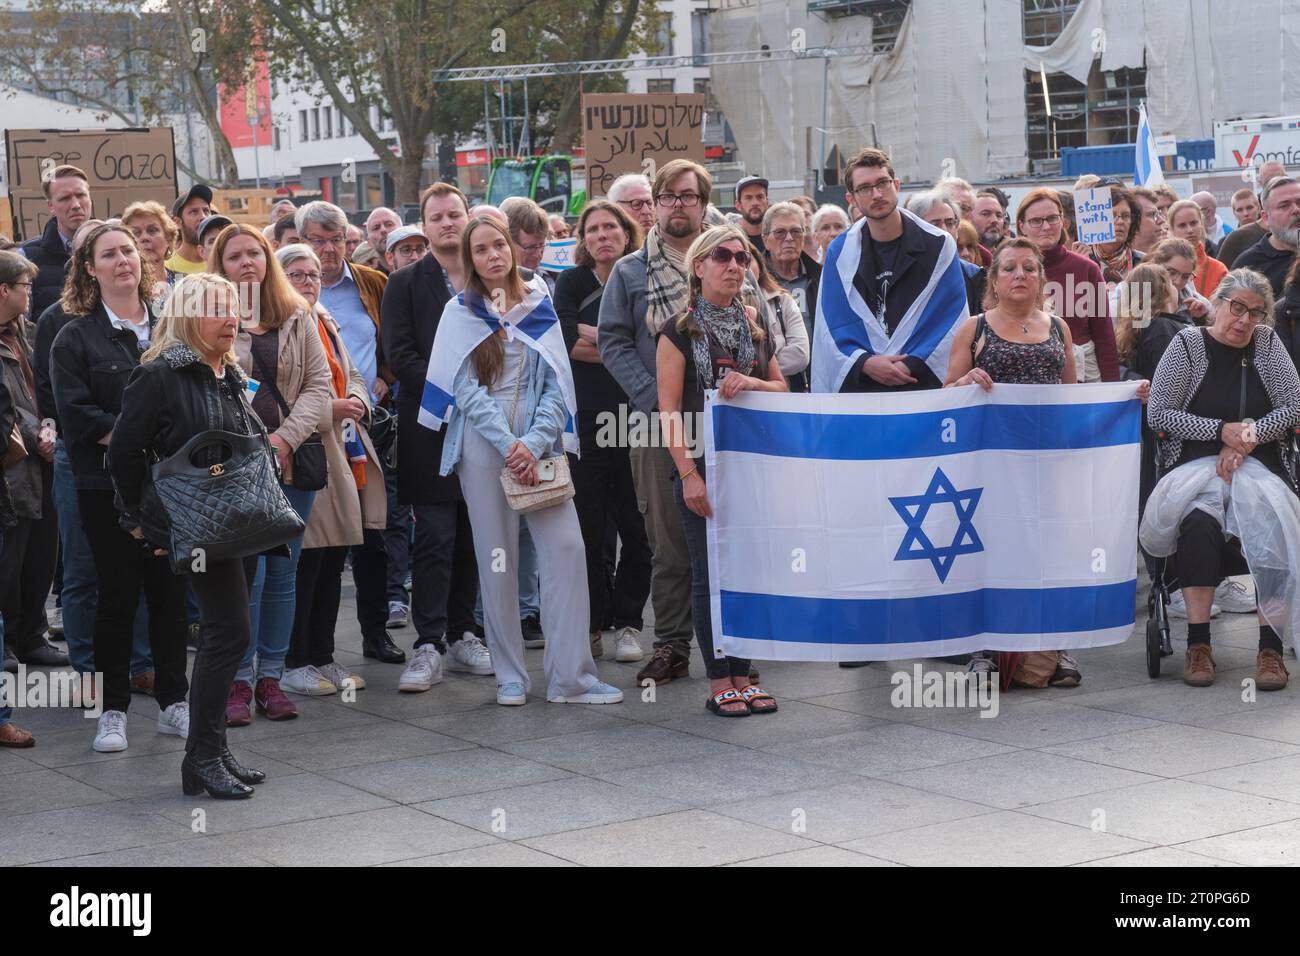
(728, 696)
(751, 693)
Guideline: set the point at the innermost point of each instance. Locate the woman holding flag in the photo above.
(352, 501)
(718, 342)
(499, 377)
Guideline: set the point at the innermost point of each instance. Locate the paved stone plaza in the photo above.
(1121, 771)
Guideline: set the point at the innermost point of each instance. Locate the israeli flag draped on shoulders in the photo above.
(923, 524)
(847, 330)
(467, 321)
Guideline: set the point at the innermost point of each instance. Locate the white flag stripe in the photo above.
(809, 540)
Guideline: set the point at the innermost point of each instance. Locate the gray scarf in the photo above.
(729, 328)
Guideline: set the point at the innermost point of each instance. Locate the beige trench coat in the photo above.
(339, 515)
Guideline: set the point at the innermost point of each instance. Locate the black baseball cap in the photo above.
(197, 191)
(213, 222)
(750, 181)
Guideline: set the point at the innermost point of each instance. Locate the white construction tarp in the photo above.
(953, 86)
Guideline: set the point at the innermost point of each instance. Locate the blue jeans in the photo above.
(79, 580)
(530, 601)
(272, 602)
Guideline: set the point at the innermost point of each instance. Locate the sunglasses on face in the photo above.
(723, 256)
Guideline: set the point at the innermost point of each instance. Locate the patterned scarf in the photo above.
(340, 382)
(666, 291)
(729, 328)
(1114, 268)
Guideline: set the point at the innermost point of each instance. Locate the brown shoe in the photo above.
(11, 735)
(1198, 666)
(143, 684)
(665, 665)
(597, 646)
(1270, 672)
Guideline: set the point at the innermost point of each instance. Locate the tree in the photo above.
(385, 53)
(136, 63)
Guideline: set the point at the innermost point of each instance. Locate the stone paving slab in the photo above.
(1120, 771)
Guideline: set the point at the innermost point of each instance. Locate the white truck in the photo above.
(1251, 142)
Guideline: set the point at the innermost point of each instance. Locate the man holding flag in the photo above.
(892, 293)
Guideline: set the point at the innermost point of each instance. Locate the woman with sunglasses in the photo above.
(716, 343)
(1227, 392)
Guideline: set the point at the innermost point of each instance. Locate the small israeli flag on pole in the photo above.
(1147, 171)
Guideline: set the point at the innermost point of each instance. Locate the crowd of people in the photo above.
(417, 386)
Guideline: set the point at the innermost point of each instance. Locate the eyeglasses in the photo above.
(950, 224)
(1179, 276)
(1038, 222)
(24, 284)
(637, 204)
(318, 243)
(1157, 215)
(686, 199)
(1239, 308)
(1122, 217)
(866, 189)
(723, 256)
(532, 247)
(783, 234)
(299, 277)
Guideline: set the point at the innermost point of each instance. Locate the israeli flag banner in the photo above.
(923, 524)
(558, 255)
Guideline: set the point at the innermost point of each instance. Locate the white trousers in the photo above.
(562, 569)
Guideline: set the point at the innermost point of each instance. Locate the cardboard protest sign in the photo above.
(637, 133)
(1093, 222)
(123, 165)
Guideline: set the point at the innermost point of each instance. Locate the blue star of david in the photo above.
(914, 508)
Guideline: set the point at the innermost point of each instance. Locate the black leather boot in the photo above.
(211, 775)
(237, 770)
(381, 648)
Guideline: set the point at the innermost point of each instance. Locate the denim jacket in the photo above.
(544, 411)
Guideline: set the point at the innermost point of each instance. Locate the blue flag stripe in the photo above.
(936, 617)
(435, 401)
(921, 434)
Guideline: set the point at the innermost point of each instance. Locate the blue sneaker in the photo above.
(511, 694)
(597, 693)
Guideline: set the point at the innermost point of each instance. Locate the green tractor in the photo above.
(547, 180)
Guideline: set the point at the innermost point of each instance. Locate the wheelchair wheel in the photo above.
(1154, 649)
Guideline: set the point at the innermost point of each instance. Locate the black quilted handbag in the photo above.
(231, 507)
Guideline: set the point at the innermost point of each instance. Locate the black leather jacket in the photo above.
(167, 402)
(90, 362)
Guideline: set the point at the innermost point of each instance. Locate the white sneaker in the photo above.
(1178, 607)
(1234, 597)
(175, 720)
(597, 693)
(422, 672)
(110, 732)
(627, 645)
(308, 681)
(338, 675)
(398, 615)
(469, 655)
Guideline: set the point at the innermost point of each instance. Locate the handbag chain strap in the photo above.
(519, 378)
